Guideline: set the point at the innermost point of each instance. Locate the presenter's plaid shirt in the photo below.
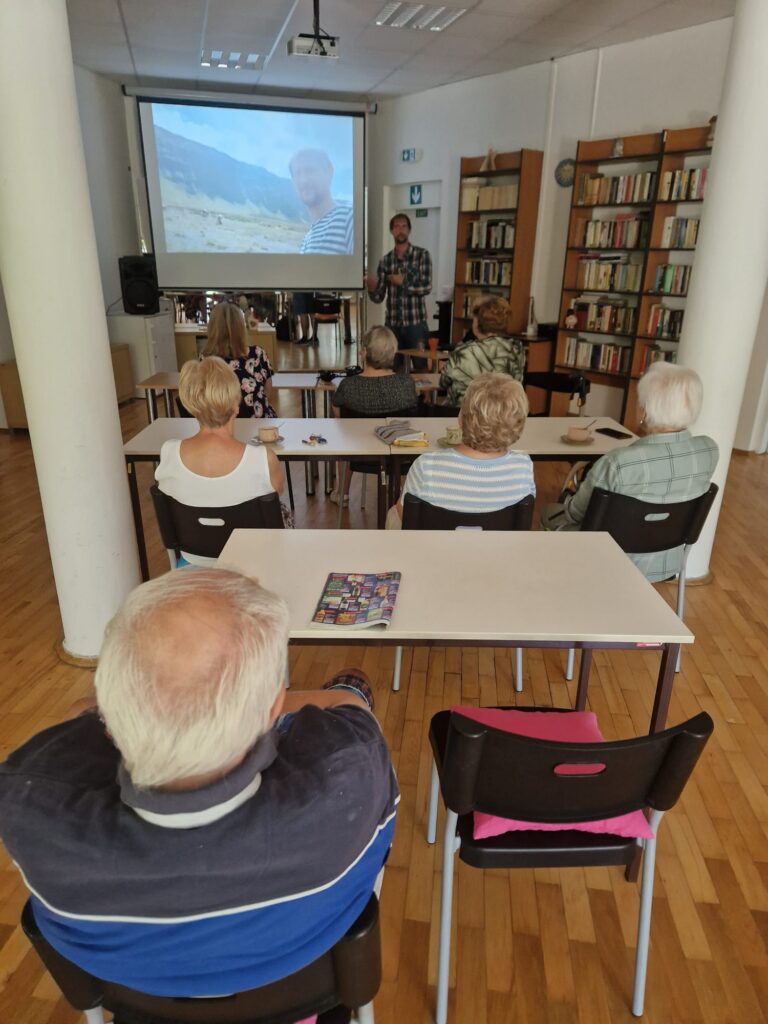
(405, 303)
(663, 468)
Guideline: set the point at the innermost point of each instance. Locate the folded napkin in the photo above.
(400, 432)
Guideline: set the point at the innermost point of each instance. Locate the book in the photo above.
(357, 600)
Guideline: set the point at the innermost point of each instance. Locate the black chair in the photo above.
(347, 976)
(478, 768)
(183, 527)
(642, 527)
(326, 309)
(574, 384)
(421, 515)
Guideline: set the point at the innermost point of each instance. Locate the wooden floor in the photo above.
(531, 946)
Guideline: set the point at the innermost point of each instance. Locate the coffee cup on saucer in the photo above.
(268, 434)
(578, 434)
(453, 435)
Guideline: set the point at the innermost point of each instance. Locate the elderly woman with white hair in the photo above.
(667, 464)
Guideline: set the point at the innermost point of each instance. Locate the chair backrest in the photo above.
(348, 974)
(421, 515)
(183, 410)
(512, 776)
(349, 414)
(640, 527)
(184, 527)
(563, 383)
(322, 306)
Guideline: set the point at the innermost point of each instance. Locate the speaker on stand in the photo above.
(138, 282)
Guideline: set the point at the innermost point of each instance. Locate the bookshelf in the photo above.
(631, 241)
(495, 235)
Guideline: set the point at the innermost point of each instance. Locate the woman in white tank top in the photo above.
(213, 467)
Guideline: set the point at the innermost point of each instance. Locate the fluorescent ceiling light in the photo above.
(232, 60)
(417, 16)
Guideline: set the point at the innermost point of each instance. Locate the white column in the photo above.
(50, 273)
(731, 268)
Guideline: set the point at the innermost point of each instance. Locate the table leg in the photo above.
(664, 687)
(168, 404)
(133, 487)
(342, 488)
(584, 667)
(309, 479)
(347, 322)
(151, 400)
(383, 490)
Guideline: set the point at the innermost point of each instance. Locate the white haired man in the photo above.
(666, 465)
(206, 831)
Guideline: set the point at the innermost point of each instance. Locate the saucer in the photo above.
(257, 440)
(569, 440)
(445, 443)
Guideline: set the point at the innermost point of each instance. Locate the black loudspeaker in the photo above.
(138, 281)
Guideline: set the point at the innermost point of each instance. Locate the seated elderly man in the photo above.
(204, 831)
(666, 465)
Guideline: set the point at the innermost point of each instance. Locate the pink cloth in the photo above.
(308, 1020)
(568, 727)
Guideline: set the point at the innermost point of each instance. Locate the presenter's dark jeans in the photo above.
(410, 336)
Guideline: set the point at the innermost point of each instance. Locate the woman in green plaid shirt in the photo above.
(491, 351)
(668, 464)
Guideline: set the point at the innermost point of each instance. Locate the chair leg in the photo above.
(94, 1016)
(644, 920)
(363, 490)
(434, 789)
(396, 670)
(342, 488)
(446, 907)
(287, 467)
(570, 664)
(519, 669)
(364, 1014)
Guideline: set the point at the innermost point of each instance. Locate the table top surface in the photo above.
(467, 586)
(300, 380)
(353, 437)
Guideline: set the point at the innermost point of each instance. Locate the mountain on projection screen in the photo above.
(214, 203)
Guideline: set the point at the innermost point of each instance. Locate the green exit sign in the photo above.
(422, 213)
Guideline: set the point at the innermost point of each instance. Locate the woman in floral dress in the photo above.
(227, 338)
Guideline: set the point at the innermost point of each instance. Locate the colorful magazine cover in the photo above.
(357, 600)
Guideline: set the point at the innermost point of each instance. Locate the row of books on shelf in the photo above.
(685, 183)
(491, 234)
(471, 298)
(672, 278)
(493, 272)
(606, 315)
(609, 273)
(476, 196)
(664, 322)
(623, 232)
(608, 189)
(586, 355)
(679, 232)
(655, 355)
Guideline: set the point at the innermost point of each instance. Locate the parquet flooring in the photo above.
(530, 947)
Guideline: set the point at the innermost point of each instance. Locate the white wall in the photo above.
(6, 348)
(102, 120)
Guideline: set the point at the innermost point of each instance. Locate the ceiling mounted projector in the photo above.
(316, 43)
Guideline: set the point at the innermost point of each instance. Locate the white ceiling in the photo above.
(158, 42)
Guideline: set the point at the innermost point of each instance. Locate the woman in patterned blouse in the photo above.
(227, 338)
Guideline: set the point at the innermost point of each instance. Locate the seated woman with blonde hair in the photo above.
(228, 339)
(213, 468)
(481, 474)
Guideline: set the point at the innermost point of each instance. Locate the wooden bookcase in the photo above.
(622, 317)
(492, 204)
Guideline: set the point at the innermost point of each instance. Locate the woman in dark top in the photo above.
(378, 390)
(228, 339)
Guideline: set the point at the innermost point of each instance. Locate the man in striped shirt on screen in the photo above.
(481, 474)
(331, 231)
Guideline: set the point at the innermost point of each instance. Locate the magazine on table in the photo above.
(357, 600)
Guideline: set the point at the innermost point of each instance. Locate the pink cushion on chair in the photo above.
(566, 727)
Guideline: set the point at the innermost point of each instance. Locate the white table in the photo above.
(567, 590)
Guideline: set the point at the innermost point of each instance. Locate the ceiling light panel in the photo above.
(231, 60)
(417, 16)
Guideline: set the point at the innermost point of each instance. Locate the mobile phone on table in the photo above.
(610, 432)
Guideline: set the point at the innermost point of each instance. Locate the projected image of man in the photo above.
(330, 233)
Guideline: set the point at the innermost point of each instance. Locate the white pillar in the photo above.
(731, 268)
(50, 274)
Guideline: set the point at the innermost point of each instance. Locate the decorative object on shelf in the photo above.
(489, 164)
(532, 330)
(618, 148)
(712, 129)
(571, 320)
(564, 172)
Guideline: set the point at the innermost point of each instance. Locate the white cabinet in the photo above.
(150, 339)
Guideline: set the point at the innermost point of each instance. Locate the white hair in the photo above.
(671, 395)
(380, 347)
(188, 673)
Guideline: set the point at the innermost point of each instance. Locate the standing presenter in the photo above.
(403, 277)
